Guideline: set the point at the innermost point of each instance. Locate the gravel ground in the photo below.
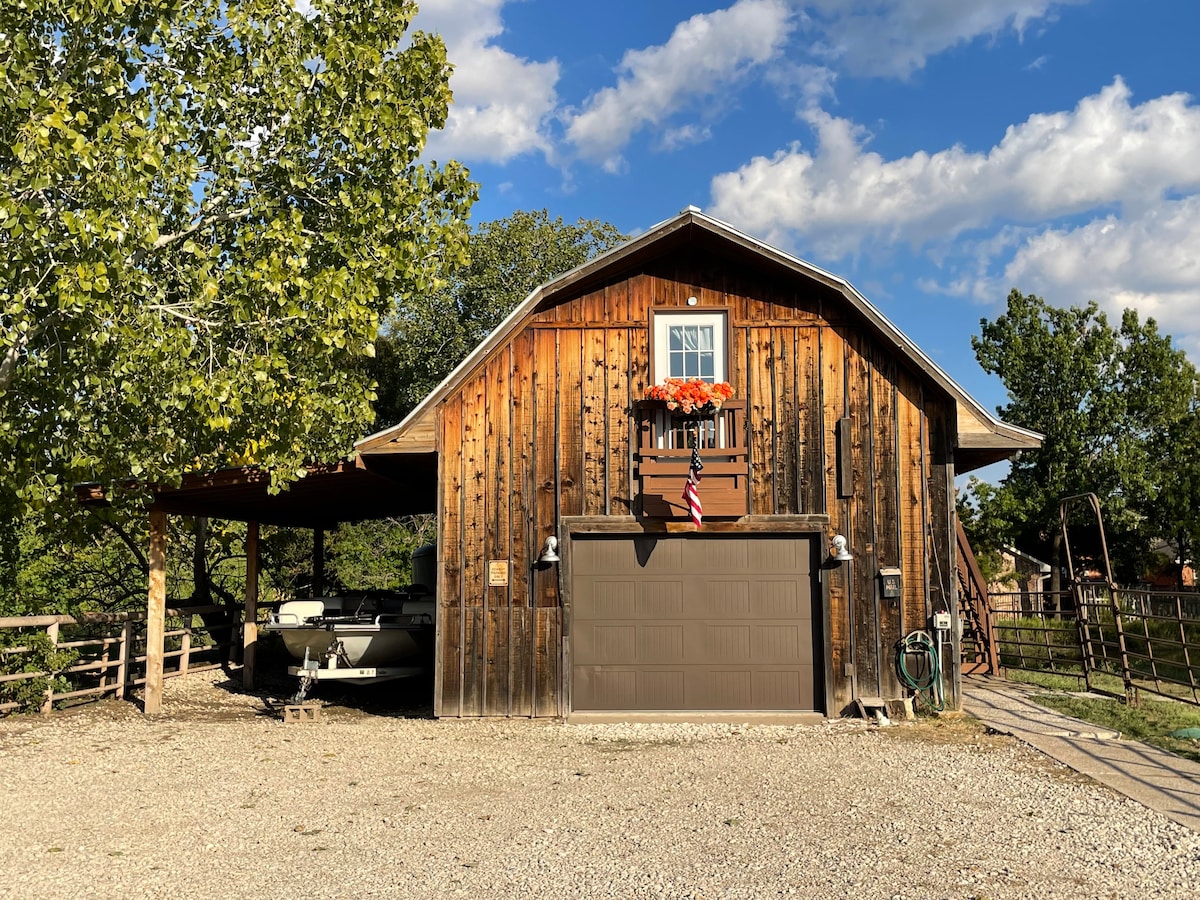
(217, 798)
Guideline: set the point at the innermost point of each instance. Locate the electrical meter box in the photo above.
(889, 583)
(941, 621)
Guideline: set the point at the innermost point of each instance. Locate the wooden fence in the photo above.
(110, 650)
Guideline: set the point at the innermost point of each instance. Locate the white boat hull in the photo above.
(361, 646)
(341, 629)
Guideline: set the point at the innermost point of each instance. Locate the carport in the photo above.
(327, 495)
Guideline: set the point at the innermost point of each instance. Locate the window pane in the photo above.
(706, 338)
(689, 337)
(691, 366)
(676, 337)
(676, 365)
(706, 366)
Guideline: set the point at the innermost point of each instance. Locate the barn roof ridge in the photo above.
(989, 433)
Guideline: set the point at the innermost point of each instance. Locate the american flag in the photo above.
(691, 495)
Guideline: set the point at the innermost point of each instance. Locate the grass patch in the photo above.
(1151, 721)
(1101, 681)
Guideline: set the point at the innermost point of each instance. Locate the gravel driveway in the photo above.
(216, 799)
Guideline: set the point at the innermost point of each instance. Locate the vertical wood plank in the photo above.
(498, 498)
(810, 426)
(832, 354)
(886, 512)
(640, 298)
(523, 662)
(861, 534)
(48, 703)
(912, 506)
(524, 534)
(476, 490)
(250, 616)
(787, 444)
(618, 500)
(594, 402)
(156, 611)
(450, 543)
(941, 562)
(549, 640)
(761, 415)
(545, 463)
(571, 421)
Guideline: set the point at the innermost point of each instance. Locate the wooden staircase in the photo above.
(979, 656)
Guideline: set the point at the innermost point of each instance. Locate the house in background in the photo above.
(1019, 584)
(838, 425)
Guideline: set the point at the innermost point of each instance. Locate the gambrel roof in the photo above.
(981, 437)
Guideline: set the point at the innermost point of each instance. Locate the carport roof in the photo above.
(404, 484)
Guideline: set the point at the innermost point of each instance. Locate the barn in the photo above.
(827, 488)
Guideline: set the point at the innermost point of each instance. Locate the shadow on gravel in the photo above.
(404, 698)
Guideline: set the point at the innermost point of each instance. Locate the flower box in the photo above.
(691, 396)
(663, 456)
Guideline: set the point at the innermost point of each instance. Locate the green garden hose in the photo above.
(927, 684)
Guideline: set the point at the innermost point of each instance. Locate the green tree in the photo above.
(206, 210)
(1107, 400)
(430, 335)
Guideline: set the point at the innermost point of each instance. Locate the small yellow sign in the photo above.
(498, 573)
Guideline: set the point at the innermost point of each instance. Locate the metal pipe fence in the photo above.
(1037, 632)
(1124, 640)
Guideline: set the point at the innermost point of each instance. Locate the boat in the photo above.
(357, 637)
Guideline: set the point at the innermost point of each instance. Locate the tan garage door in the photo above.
(693, 623)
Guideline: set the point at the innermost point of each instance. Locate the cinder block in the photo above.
(299, 713)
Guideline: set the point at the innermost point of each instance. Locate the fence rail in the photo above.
(108, 651)
(1126, 640)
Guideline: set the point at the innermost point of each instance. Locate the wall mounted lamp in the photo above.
(840, 549)
(549, 554)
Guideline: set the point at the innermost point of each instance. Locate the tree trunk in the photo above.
(201, 586)
(1050, 604)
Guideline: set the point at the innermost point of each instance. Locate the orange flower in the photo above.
(690, 395)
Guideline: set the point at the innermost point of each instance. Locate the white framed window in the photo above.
(690, 345)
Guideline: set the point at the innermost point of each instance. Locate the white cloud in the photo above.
(896, 37)
(704, 55)
(1105, 152)
(502, 103)
(1151, 263)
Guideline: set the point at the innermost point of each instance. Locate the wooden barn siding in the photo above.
(542, 430)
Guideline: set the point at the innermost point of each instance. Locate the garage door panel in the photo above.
(778, 599)
(779, 555)
(783, 689)
(715, 642)
(661, 689)
(780, 644)
(727, 598)
(723, 688)
(614, 599)
(660, 598)
(715, 556)
(692, 623)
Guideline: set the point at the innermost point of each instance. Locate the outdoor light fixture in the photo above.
(549, 552)
(840, 551)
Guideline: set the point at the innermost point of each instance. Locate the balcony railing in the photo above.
(664, 452)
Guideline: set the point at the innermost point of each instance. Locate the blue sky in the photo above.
(936, 153)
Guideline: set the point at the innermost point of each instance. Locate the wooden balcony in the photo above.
(664, 453)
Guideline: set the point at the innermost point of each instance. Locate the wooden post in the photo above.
(185, 644)
(156, 611)
(123, 658)
(250, 622)
(48, 703)
(318, 580)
